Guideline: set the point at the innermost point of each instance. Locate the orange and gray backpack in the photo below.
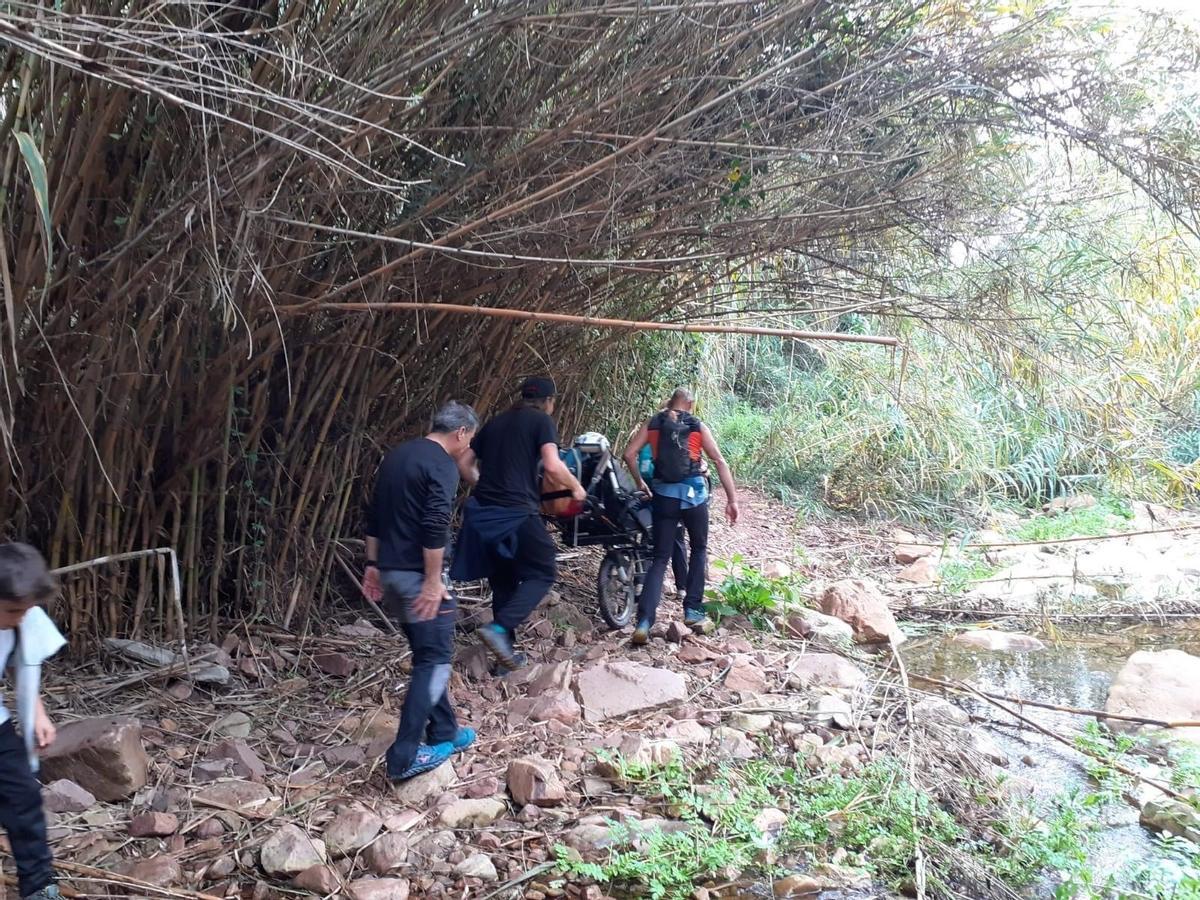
(675, 441)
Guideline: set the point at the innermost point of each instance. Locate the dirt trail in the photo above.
(300, 729)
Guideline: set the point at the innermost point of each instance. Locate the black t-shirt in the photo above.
(410, 509)
(509, 448)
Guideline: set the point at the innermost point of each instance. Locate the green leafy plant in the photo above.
(963, 572)
(746, 591)
(1107, 516)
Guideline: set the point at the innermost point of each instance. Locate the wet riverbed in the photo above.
(1074, 670)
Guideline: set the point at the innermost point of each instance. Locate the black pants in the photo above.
(679, 566)
(427, 715)
(21, 814)
(668, 514)
(520, 583)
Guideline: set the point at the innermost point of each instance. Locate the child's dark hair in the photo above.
(24, 575)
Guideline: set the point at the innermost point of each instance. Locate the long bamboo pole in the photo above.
(592, 321)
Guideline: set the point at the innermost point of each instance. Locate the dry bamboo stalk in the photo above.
(1120, 767)
(595, 322)
(1071, 540)
(1021, 701)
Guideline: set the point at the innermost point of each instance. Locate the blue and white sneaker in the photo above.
(693, 617)
(464, 739)
(427, 759)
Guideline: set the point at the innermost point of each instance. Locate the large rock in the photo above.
(153, 824)
(532, 779)
(923, 571)
(546, 678)
(859, 603)
(733, 744)
(319, 880)
(160, 871)
(998, 641)
(612, 689)
(824, 670)
(290, 851)
(940, 711)
(65, 796)
(418, 791)
(472, 813)
(477, 866)
(555, 706)
(832, 710)
(820, 628)
(1173, 817)
(351, 831)
(379, 889)
(746, 678)
(687, 731)
(1157, 685)
(387, 854)
(104, 756)
(236, 725)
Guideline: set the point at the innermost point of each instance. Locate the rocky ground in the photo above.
(261, 775)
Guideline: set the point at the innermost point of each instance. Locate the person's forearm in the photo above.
(726, 476)
(372, 549)
(564, 472)
(433, 564)
(631, 463)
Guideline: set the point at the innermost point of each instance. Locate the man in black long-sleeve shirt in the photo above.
(408, 527)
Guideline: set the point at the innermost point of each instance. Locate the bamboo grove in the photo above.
(220, 177)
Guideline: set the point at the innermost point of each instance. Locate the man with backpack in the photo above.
(503, 537)
(678, 443)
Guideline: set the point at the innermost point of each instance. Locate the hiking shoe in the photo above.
(693, 617)
(464, 739)
(50, 892)
(519, 659)
(427, 759)
(641, 635)
(496, 639)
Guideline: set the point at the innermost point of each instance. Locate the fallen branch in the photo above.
(151, 889)
(593, 321)
(358, 584)
(183, 667)
(1070, 540)
(176, 591)
(1076, 711)
(1123, 769)
(519, 880)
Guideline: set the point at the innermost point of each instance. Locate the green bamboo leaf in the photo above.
(41, 187)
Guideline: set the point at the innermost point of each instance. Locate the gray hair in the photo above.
(681, 395)
(453, 416)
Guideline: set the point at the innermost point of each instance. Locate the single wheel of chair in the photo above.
(617, 588)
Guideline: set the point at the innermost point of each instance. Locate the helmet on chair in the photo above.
(593, 442)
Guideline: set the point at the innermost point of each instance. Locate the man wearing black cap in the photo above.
(503, 537)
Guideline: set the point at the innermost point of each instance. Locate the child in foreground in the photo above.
(27, 638)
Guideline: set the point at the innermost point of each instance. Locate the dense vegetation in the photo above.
(212, 212)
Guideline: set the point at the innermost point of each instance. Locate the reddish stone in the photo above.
(153, 824)
(532, 779)
(244, 762)
(103, 756)
(339, 665)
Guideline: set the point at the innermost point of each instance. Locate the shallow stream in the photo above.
(1076, 670)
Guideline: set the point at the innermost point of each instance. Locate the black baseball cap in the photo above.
(537, 388)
